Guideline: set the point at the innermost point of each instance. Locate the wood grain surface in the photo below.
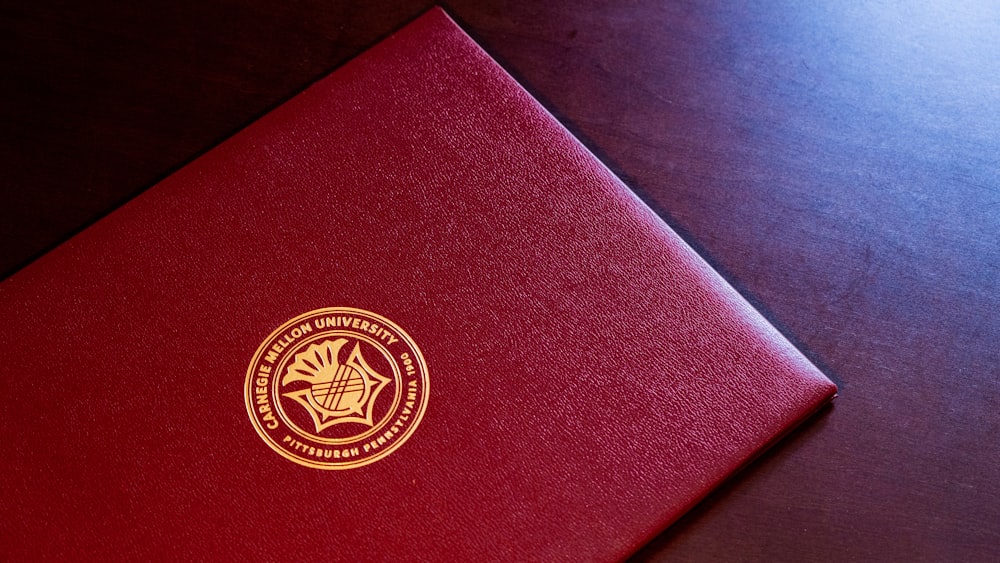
(838, 162)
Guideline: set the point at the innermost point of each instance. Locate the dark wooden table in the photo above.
(839, 162)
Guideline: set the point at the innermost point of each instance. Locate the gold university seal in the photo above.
(337, 388)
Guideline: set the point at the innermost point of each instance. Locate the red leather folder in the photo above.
(404, 316)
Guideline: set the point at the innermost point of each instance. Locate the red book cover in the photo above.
(405, 315)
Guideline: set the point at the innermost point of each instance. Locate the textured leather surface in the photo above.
(593, 378)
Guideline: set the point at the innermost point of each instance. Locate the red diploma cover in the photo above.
(405, 315)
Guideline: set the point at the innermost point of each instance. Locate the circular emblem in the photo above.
(337, 388)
